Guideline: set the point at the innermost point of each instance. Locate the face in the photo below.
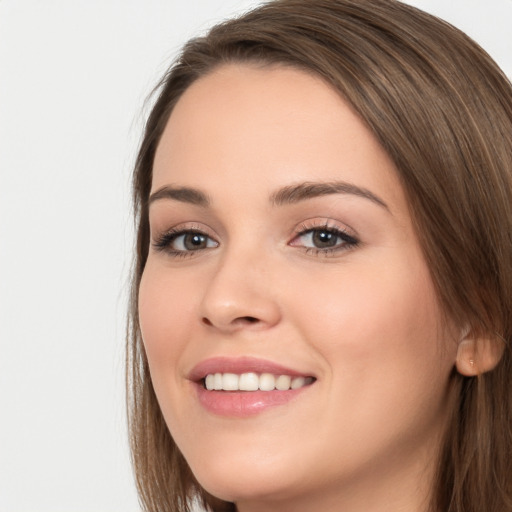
(292, 330)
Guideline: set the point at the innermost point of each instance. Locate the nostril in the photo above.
(244, 320)
(247, 319)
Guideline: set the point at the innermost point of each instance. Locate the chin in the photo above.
(251, 479)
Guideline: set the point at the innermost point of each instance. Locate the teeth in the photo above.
(298, 382)
(209, 382)
(254, 382)
(248, 382)
(267, 382)
(230, 382)
(283, 382)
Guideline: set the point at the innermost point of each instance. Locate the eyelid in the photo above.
(349, 239)
(323, 223)
(162, 239)
(182, 226)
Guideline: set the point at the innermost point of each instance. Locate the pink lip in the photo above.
(241, 403)
(240, 365)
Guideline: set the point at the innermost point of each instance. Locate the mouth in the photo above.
(239, 387)
(252, 381)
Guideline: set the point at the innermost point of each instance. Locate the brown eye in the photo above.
(184, 242)
(193, 241)
(323, 239)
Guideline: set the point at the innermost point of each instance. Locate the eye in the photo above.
(192, 241)
(320, 238)
(324, 239)
(182, 242)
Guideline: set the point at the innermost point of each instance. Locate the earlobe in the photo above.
(477, 355)
(465, 361)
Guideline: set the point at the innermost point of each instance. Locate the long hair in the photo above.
(442, 110)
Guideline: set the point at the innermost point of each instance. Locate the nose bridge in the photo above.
(239, 292)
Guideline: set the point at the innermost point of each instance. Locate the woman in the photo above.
(322, 291)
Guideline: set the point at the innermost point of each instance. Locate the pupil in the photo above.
(324, 239)
(194, 241)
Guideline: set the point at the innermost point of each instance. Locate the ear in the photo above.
(476, 355)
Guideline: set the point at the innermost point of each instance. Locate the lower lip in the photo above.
(244, 403)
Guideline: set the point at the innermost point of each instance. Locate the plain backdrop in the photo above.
(73, 78)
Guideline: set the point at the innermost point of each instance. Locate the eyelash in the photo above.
(164, 242)
(347, 241)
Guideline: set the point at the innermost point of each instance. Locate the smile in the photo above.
(246, 386)
(254, 382)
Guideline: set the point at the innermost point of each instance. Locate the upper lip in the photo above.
(240, 365)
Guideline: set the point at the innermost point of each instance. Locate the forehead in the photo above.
(268, 126)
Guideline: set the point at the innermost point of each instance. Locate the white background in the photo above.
(73, 78)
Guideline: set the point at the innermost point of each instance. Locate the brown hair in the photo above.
(442, 109)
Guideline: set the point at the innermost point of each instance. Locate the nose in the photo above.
(240, 295)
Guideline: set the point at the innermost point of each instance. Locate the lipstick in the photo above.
(246, 386)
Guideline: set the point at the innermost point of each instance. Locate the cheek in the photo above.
(165, 316)
(387, 356)
(380, 329)
(387, 303)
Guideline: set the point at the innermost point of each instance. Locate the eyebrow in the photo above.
(183, 194)
(308, 190)
(287, 195)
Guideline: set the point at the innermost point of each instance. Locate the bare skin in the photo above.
(328, 281)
